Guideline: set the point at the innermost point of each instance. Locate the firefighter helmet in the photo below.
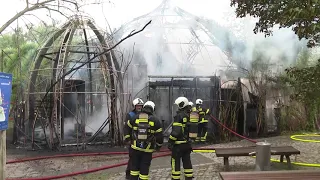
(181, 102)
(190, 103)
(137, 101)
(150, 104)
(199, 101)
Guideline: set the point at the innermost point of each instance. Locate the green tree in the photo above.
(17, 51)
(303, 16)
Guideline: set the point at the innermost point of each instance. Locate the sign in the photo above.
(5, 97)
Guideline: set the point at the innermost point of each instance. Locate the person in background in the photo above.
(203, 121)
(137, 104)
(179, 142)
(190, 105)
(145, 131)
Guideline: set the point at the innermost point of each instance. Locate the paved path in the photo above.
(207, 166)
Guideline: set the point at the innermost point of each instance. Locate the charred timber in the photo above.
(181, 83)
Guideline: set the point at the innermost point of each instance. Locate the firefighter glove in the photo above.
(158, 148)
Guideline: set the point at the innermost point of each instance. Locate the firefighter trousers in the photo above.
(181, 152)
(140, 164)
(129, 163)
(202, 132)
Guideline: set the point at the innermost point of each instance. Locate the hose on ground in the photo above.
(295, 137)
(86, 171)
(164, 153)
(93, 154)
(124, 163)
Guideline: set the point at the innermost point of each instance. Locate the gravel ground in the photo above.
(206, 165)
(310, 153)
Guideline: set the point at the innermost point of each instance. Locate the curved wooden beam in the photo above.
(34, 74)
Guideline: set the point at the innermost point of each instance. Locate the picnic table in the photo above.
(274, 175)
(283, 151)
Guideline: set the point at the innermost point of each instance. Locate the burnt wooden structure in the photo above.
(163, 90)
(66, 49)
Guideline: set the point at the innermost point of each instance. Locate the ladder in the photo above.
(56, 118)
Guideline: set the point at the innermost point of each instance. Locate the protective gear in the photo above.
(140, 166)
(182, 102)
(158, 148)
(190, 103)
(181, 152)
(203, 124)
(129, 163)
(199, 101)
(180, 145)
(137, 101)
(193, 124)
(143, 128)
(146, 131)
(127, 141)
(150, 104)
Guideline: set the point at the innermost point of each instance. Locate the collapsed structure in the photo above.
(74, 101)
(75, 87)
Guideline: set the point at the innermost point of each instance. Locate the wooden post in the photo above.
(3, 154)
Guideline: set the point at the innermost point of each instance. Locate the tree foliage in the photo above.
(304, 78)
(17, 50)
(303, 16)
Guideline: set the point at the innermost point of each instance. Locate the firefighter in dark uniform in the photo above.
(203, 121)
(145, 131)
(179, 140)
(137, 104)
(190, 105)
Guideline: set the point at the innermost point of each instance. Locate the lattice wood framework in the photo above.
(58, 48)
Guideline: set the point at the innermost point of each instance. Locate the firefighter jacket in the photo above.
(193, 123)
(179, 133)
(203, 115)
(130, 115)
(144, 131)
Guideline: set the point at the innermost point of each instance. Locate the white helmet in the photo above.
(181, 102)
(149, 103)
(199, 101)
(137, 101)
(190, 103)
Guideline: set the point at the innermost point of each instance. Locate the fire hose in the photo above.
(166, 153)
(85, 171)
(163, 154)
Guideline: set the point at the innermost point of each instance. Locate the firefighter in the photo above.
(146, 132)
(194, 123)
(137, 104)
(190, 105)
(179, 141)
(203, 121)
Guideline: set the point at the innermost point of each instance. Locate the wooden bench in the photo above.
(274, 175)
(286, 151)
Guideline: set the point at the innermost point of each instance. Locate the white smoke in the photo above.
(165, 44)
(216, 44)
